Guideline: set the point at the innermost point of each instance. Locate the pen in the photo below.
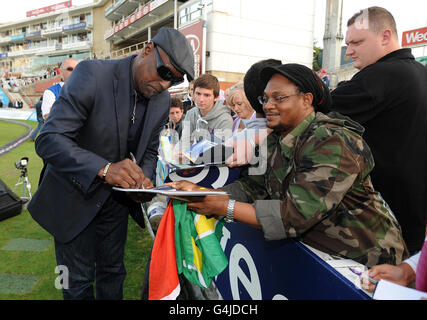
(132, 157)
(364, 276)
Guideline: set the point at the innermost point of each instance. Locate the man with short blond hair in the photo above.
(388, 97)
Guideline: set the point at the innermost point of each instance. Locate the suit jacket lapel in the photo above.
(122, 99)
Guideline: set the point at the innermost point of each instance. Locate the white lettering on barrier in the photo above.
(222, 178)
(251, 284)
(226, 235)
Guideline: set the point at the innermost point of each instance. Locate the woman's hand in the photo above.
(401, 274)
(243, 153)
(207, 205)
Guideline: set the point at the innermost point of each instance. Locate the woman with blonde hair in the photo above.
(238, 102)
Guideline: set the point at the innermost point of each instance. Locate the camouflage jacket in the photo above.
(317, 189)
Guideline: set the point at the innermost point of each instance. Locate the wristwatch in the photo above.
(104, 173)
(230, 211)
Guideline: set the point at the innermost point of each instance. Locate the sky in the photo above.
(17, 9)
(409, 14)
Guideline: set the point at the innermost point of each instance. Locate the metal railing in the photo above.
(128, 50)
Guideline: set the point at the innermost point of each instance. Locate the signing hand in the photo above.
(126, 174)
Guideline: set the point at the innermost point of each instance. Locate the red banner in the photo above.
(53, 7)
(414, 38)
(194, 35)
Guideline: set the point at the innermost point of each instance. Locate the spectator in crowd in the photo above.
(388, 97)
(317, 187)
(108, 112)
(324, 76)
(175, 116)
(238, 102)
(51, 94)
(189, 102)
(226, 93)
(40, 119)
(244, 149)
(209, 117)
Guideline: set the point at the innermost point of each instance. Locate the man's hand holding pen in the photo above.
(128, 175)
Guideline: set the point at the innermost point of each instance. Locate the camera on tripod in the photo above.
(23, 179)
(22, 164)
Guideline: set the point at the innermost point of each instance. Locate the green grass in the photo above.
(10, 131)
(23, 226)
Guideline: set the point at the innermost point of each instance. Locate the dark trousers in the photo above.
(96, 256)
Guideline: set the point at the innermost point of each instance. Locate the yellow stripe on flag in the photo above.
(197, 256)
(203, 224)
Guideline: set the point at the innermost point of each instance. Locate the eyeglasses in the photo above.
(69, 69)
(263, 100)
(165, 72)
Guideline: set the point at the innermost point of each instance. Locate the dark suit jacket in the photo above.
(86, 129)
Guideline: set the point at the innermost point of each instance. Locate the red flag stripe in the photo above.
(163, 277)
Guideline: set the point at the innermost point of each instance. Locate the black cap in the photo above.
(177, 47)
(305, 79)
(253, 85)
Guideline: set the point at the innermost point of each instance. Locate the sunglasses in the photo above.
(165, 72)
(69, 69)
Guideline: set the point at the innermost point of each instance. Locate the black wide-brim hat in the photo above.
(305, 79)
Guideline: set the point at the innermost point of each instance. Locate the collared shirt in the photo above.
(317, 189)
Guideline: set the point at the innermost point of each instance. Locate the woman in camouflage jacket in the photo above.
(317, 187)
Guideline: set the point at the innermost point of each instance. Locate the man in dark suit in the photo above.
(108, 111)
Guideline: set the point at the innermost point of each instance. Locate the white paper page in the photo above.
(386, 290)
(173, 192)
